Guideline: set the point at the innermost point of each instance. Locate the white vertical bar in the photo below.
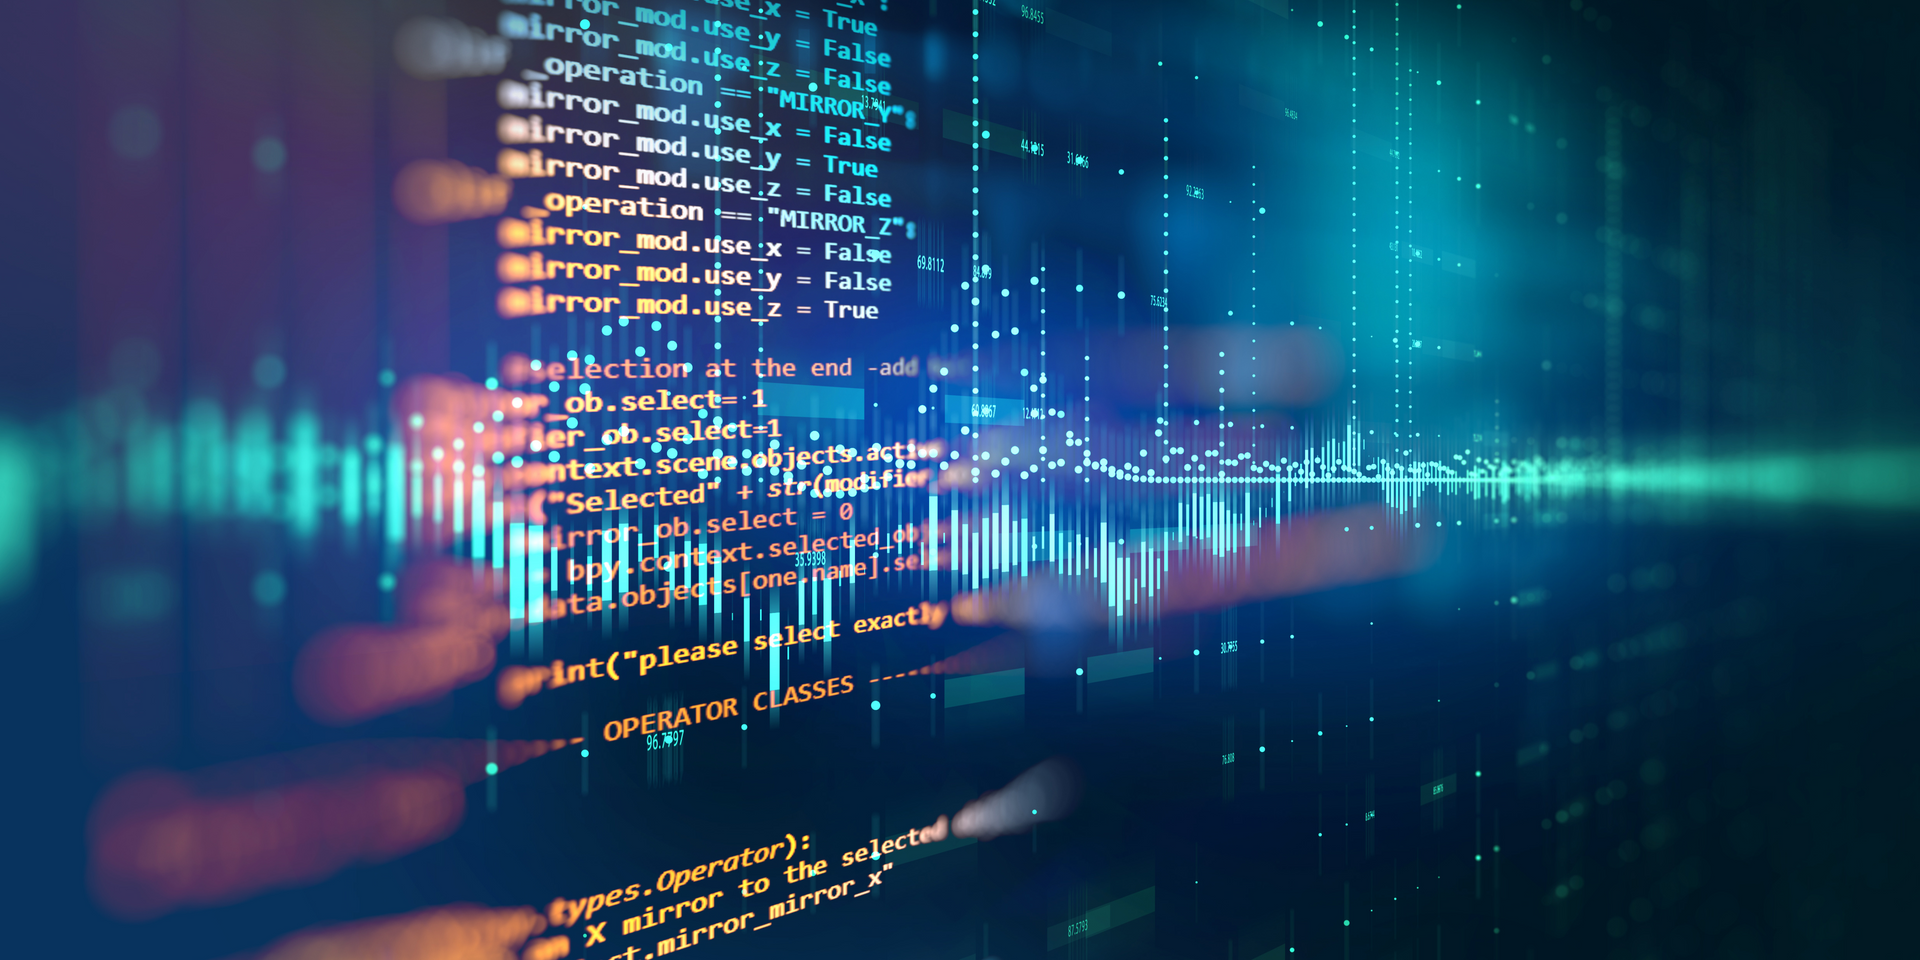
(1007, 538)
(974, 553)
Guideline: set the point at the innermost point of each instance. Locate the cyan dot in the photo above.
(134, 132)
(269, 154)
(269, 372)
(269, 588)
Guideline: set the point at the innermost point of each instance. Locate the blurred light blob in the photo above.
(438, 48)
(936, 833)
(134, 131)
(161, 839)
(455, 932)
(516, 683)
(449, 626)
(19, 513)
(443, 191)
(1049, 790)
(548, 948)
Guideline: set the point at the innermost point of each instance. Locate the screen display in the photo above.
(962, 479)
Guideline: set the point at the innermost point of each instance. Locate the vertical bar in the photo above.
(479, 516)
(1106, 561)
(976, 551)
(536, 573)
(349, 485)
(826, 617)
(933, 532)
(699, 574)
(1003, 530)
(606, 568)
(499, 535)
(517, 571)
(396, 483)
(626, 555)
(773, 659)
(415, 497)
